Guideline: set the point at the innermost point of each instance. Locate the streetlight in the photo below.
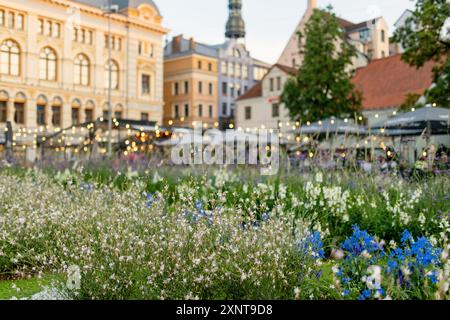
(108, 10)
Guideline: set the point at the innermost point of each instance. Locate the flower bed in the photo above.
(227, 234)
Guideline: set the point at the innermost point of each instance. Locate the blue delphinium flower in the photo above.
(366, 294)
(360, 241)
(406, 237)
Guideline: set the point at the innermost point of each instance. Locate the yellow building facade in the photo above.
(190, 85)
(55, 66)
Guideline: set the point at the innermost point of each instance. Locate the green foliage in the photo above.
(410, 102)
(323, 86)
(425, 40)
(24, 288)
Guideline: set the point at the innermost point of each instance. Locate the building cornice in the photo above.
(117, 17)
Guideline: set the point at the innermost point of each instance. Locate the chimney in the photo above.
(191, 44)
(312, 4)
(176, 44)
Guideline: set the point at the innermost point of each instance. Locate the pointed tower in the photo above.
(235, 25)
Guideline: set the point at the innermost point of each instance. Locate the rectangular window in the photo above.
(20, 21)
(211, 111)
(232, 91)
(118, 114)
(83, 36)
(56, 116)
(248, 113)
(57, 30)
(232, 68)
(140, 48)
(41, 26)
(75, 34)
(119, 44)
(89, 37)
(200, 65)
(75, 116)
(209, 66)
(224, 88)
(278, 83)
(383, 36)
(176, 89)
(200, 87)
(245, 72)
(11, 17)
(89, 115)
(210, 89)
(186, 110)
(186, 87)
(177, 111)
(272, 87)
(3, 107)
(19, 114)
(224, 108)
(275, 110)
(224, 67)
(200, 110)
(145, 84)
(144, 116)
(2, 17)
(40, 115)
(239, 70)
(48, 28)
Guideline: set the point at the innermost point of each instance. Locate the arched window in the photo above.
(47, 64)
(10, 58)
(114, 68)
(82, 70)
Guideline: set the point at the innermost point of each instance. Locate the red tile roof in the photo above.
(386, 82)
(253, 92)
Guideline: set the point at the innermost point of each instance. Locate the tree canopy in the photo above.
(426, 37)
(323, 86)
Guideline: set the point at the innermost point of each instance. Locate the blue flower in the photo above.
(346, 293)
(406, 237)
(433, 277)
(150, 200)
(199, 207)
(360, 241)
(313, 245)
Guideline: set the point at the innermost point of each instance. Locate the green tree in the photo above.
(411, 101)
(426, 37)
(323, 86)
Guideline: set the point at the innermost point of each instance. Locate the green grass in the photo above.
(28, 287)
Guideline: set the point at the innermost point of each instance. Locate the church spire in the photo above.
(235, 25)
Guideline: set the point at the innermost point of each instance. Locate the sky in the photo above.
(270, 23)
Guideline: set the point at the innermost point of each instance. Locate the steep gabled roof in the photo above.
(386, 82)
(253, 92)
(256, 90)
